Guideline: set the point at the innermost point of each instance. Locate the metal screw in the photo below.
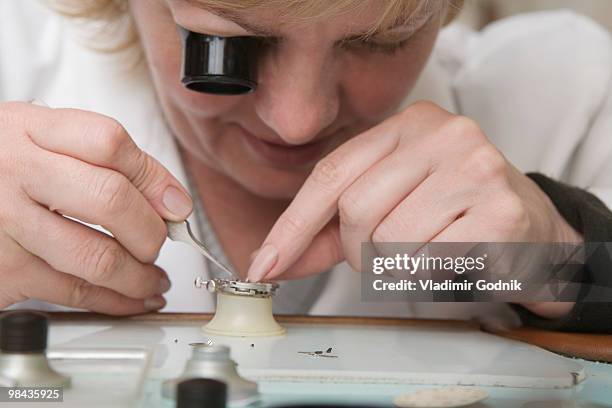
(199, 282)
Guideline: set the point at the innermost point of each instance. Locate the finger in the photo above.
(317, 201)
(93, 256)
(13, 259)
(467, 228)
(498, 216)
(324, 253)
(102, 141)
(70, 291)
(26, 276)
(98, 196)
(375, 195)
(433, 205)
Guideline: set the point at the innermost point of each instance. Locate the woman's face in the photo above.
(319, 84)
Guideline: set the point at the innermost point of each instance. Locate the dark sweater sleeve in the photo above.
(593, 219)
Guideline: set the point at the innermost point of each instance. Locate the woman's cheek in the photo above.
(376, 84)
(374, 91)
(197, 105)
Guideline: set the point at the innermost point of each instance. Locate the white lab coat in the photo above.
(539, 85)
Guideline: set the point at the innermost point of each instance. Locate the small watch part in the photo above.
(236, 287)
(202, 343)
(319, 353)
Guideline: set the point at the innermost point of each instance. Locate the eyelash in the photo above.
(269, 41)
(388, 49)
(370, 46)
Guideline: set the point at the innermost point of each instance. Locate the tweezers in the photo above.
(181, 232)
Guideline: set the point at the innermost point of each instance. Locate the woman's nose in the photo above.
(298, 94)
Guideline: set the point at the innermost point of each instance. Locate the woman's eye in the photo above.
(372, 46)
(269, 41)
(389, 48)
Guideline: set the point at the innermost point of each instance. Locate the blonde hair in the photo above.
(113, 15)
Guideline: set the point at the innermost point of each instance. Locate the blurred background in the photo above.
(478, 13)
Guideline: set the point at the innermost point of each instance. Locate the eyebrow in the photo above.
(264, 32)
(234, 18)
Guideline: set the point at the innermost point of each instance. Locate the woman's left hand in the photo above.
(423, 175)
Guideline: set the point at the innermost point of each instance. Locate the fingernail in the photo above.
(164, 285)
(263, 263)
(177, 202)
(154, 303)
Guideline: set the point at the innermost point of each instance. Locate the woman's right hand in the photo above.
(59, 163)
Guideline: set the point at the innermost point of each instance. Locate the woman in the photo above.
(331, 150)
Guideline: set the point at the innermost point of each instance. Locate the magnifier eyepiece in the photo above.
(219, 65)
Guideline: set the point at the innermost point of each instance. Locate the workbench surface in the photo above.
(123, 362)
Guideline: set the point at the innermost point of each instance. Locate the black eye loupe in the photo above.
(219, 65)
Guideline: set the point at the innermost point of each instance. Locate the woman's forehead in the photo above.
(264, 17)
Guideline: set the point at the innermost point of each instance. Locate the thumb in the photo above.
(163, 191)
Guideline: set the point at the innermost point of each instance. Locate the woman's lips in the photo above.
(284, 155)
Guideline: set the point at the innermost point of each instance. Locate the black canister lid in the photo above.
(201, 392)
(23, 332)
